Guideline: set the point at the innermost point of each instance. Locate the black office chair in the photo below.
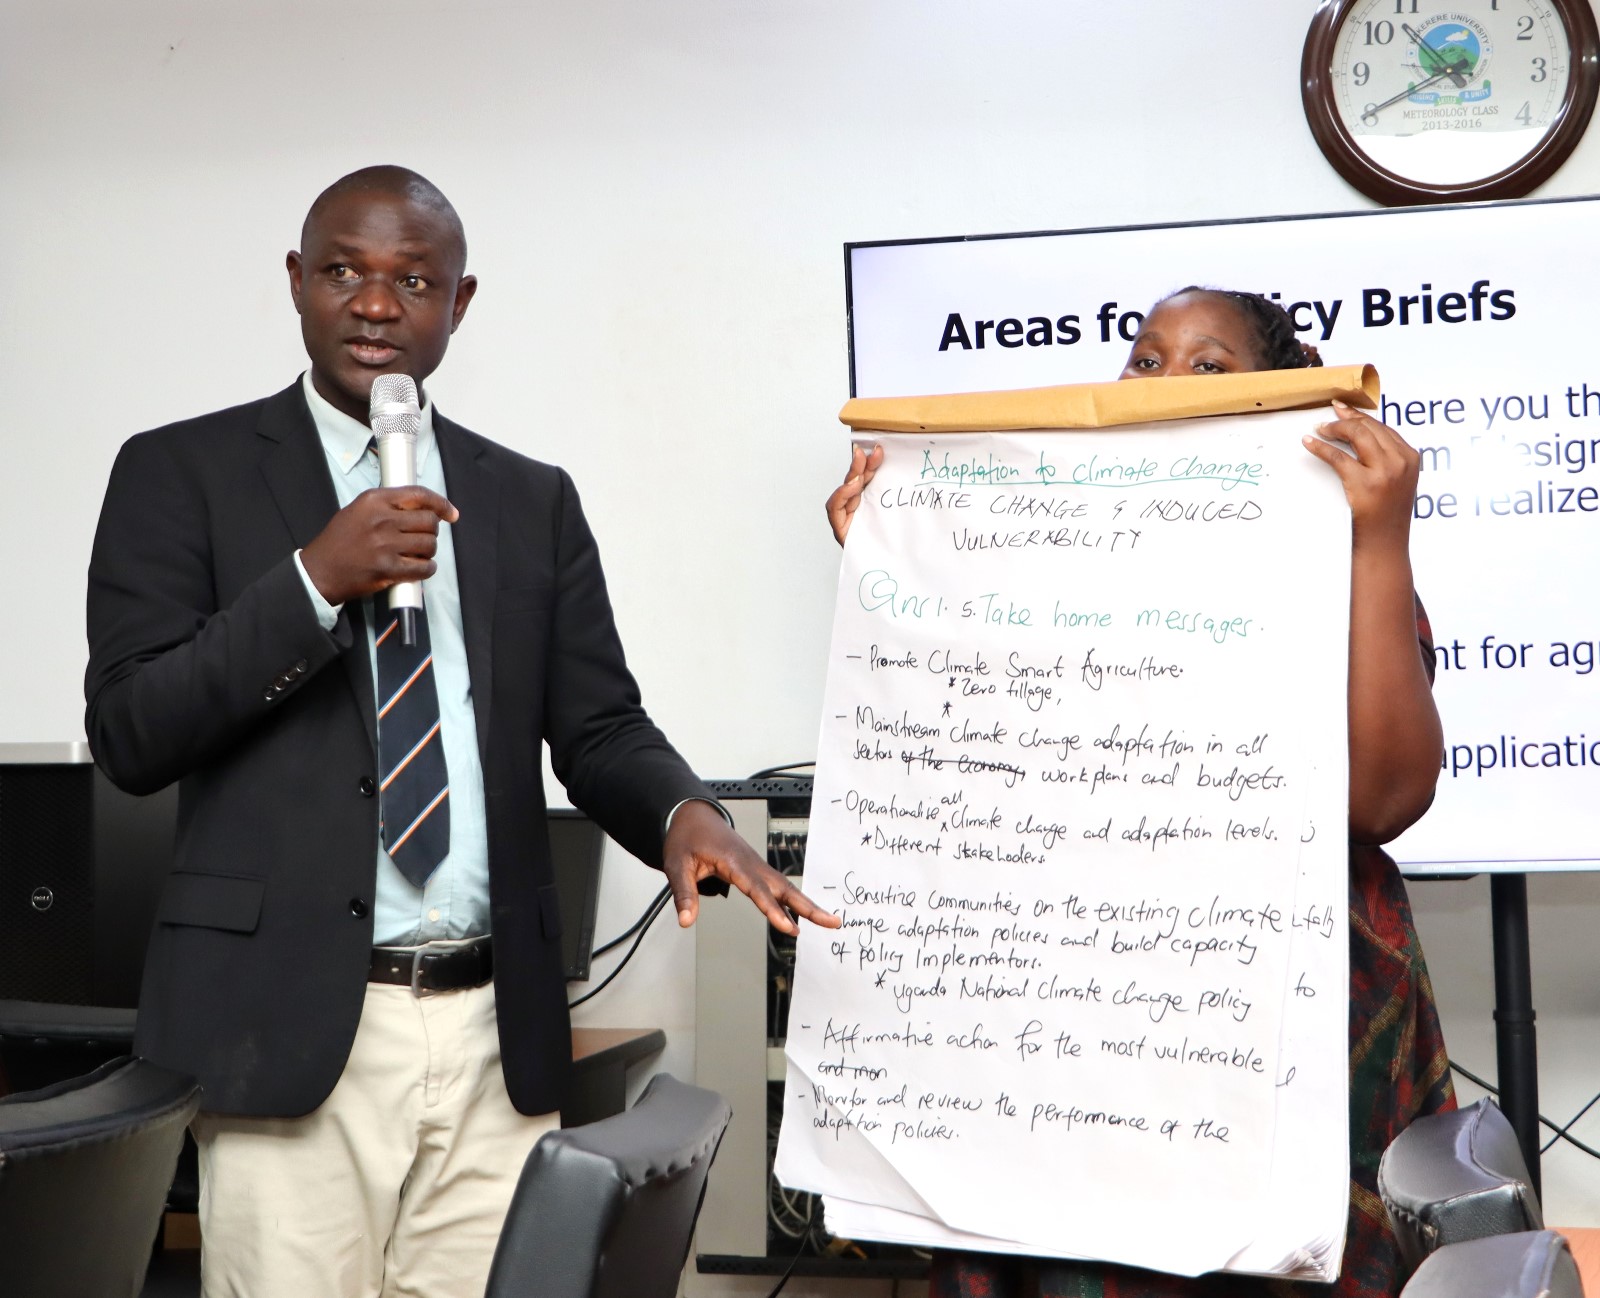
(1528, 1264)
(84, 1170)
(1464, 1214)
(607, 1210)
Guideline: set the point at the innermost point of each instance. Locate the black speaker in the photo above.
(81, 868)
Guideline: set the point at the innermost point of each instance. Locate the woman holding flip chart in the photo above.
(1398, 1066)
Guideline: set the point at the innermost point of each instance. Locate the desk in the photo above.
(52, 1041)
(42, 1042)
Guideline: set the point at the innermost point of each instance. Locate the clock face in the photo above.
(1416, 100)
(1449, 94)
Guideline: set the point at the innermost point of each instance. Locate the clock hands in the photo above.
(1450, 67)
(1405, 94)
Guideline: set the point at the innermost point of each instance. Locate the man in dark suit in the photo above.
(377, 1014)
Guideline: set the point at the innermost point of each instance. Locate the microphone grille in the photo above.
(392, 408)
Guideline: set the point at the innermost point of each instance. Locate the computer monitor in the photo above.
(577, 845)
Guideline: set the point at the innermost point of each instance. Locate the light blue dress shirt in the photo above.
(455, 901)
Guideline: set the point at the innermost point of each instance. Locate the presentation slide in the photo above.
(1479, 322)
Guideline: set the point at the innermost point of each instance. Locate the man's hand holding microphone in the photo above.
(385, 538)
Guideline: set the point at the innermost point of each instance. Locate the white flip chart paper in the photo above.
(1080, 800)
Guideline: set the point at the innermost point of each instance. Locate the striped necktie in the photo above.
(414, 805)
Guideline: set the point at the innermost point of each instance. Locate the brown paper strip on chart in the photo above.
(1104, 405)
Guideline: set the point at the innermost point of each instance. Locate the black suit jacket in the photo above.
(207, 666)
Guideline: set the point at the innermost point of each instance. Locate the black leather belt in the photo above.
(434, 966)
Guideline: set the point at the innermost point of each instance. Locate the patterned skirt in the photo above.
(1398, 1071)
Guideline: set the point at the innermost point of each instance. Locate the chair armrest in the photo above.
(1456, 1176)
(36, 1019)
(1529, 1264)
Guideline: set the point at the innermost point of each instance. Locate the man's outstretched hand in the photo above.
(701, 845)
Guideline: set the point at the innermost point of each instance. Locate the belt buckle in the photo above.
(417, 989)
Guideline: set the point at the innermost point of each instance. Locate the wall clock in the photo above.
(1415, 101)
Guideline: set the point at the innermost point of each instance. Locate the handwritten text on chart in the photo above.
(1066, 809)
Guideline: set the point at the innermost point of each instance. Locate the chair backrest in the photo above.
(1527, 1264)
(84, 1170)
(607, 1210)
(1456, 1176)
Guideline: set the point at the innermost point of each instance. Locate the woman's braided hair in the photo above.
(1281, 348)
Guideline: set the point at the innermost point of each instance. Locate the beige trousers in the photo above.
(395, 1188)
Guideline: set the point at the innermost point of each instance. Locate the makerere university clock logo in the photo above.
(1452, 54)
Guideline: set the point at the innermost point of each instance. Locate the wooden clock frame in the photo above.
(1345, 154)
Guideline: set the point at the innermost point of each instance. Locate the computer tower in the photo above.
(81, 869)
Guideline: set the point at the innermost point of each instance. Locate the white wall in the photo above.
(656, 196)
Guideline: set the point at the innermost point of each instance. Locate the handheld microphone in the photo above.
(396, 419)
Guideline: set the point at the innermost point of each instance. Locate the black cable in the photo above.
(649, 912)
(772, 772)
(1561, 1132)
(788, 853)
(643, 927)
(793, 1262)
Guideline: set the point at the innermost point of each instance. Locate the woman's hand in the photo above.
(1380, 482)
(846, 498)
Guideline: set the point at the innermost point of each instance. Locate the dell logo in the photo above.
(43, 898)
